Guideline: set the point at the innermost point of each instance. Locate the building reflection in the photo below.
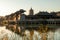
(34, 33)
(15, 28)
(22, 31)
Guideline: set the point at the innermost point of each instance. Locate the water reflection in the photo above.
(17, 32)
(6, 34)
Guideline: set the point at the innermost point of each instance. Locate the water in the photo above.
(6, 34)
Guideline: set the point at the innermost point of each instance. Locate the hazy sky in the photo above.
(11, 6)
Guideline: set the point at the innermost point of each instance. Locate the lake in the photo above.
(9, 34)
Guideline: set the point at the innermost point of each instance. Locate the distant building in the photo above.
(31, 12)
(39, 18)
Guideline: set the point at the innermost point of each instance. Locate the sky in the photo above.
(10, 6)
